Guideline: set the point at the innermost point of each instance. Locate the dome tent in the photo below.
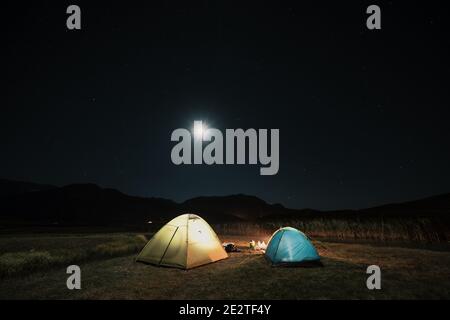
(291, 247)
(185, 242)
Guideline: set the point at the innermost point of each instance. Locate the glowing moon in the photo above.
(199, 130)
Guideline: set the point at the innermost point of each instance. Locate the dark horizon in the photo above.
(363, 115)
(424, 197)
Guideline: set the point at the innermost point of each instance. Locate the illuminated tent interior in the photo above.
(185, 242)
(290, 247)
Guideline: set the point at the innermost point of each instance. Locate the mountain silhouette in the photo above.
(10, 188)
(84, 204)
(91, 205)
(241, 206)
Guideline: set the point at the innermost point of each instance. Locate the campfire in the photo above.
(252, 245)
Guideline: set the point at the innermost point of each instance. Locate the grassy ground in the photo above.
(22, 254)
(406, 274)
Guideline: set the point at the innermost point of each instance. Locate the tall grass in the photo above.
(375, 229)
(25, 262)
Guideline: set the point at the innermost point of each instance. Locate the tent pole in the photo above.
(168, 246)
(187, 241)
(278, 245)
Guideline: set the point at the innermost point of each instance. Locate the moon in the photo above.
(199, 130)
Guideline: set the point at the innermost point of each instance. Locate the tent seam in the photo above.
(278, 245)
(168, 246)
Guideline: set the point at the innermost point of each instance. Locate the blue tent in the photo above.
(289, 246)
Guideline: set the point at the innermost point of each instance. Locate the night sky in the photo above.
(363, 115)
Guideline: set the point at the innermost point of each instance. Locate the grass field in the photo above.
(22, 254)
(109, 272)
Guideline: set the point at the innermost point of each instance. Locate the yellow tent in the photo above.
(184, 242)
